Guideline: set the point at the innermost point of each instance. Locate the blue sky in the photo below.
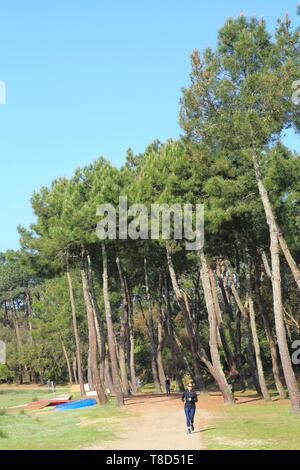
(94, 77)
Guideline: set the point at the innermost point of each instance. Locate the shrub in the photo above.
(6, 375)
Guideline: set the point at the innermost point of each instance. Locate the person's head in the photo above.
(190, 386)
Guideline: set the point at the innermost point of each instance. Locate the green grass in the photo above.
(257, 425)
(74, 429)
(14, 396)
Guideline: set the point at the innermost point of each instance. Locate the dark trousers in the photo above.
(168, 389)
(190, 414)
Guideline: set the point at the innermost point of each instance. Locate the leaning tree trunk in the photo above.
(110, 331)
(288, 256)
(180, 349)
(187, 320)
(289, 375)
(76, 334)
(272, 222)
(123, 331)
(95, 376)
(213, 326)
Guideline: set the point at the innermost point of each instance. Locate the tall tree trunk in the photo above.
(75, 370)
(235, 336)
(238, 350)
(16, 325)
(29, 321)
(160, 339)
(151, 332)
(229, 357)
(273, 350)
(260, 370)
(92, 335)
(160, 334)
(67, 362)
(110, 331)
(250, 354)
(250, 304)
(188, 321)
(171, 337)
(107, 376)
(76, 334)
(153, 344)
(99, 323)
(123, 331)
(90, 379)
(29, 313)
(133, 379)
(289, 375)
(269, 335)
(18, 337)
(215, 357)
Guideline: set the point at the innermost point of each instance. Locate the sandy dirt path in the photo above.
(156, 422)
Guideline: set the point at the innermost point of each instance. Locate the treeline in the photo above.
(108, 312)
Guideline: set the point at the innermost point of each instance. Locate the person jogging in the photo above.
(189, 398)
(168, 385)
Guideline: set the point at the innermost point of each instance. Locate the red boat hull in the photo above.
(40, 404)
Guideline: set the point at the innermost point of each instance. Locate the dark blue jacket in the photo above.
(189, 398)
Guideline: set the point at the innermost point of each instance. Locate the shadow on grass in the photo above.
(135, 400)
(134, 403)
(248, 401)
(204, 430)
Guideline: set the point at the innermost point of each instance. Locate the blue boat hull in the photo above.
(72, 405)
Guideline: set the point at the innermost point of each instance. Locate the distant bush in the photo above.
(6, 375)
